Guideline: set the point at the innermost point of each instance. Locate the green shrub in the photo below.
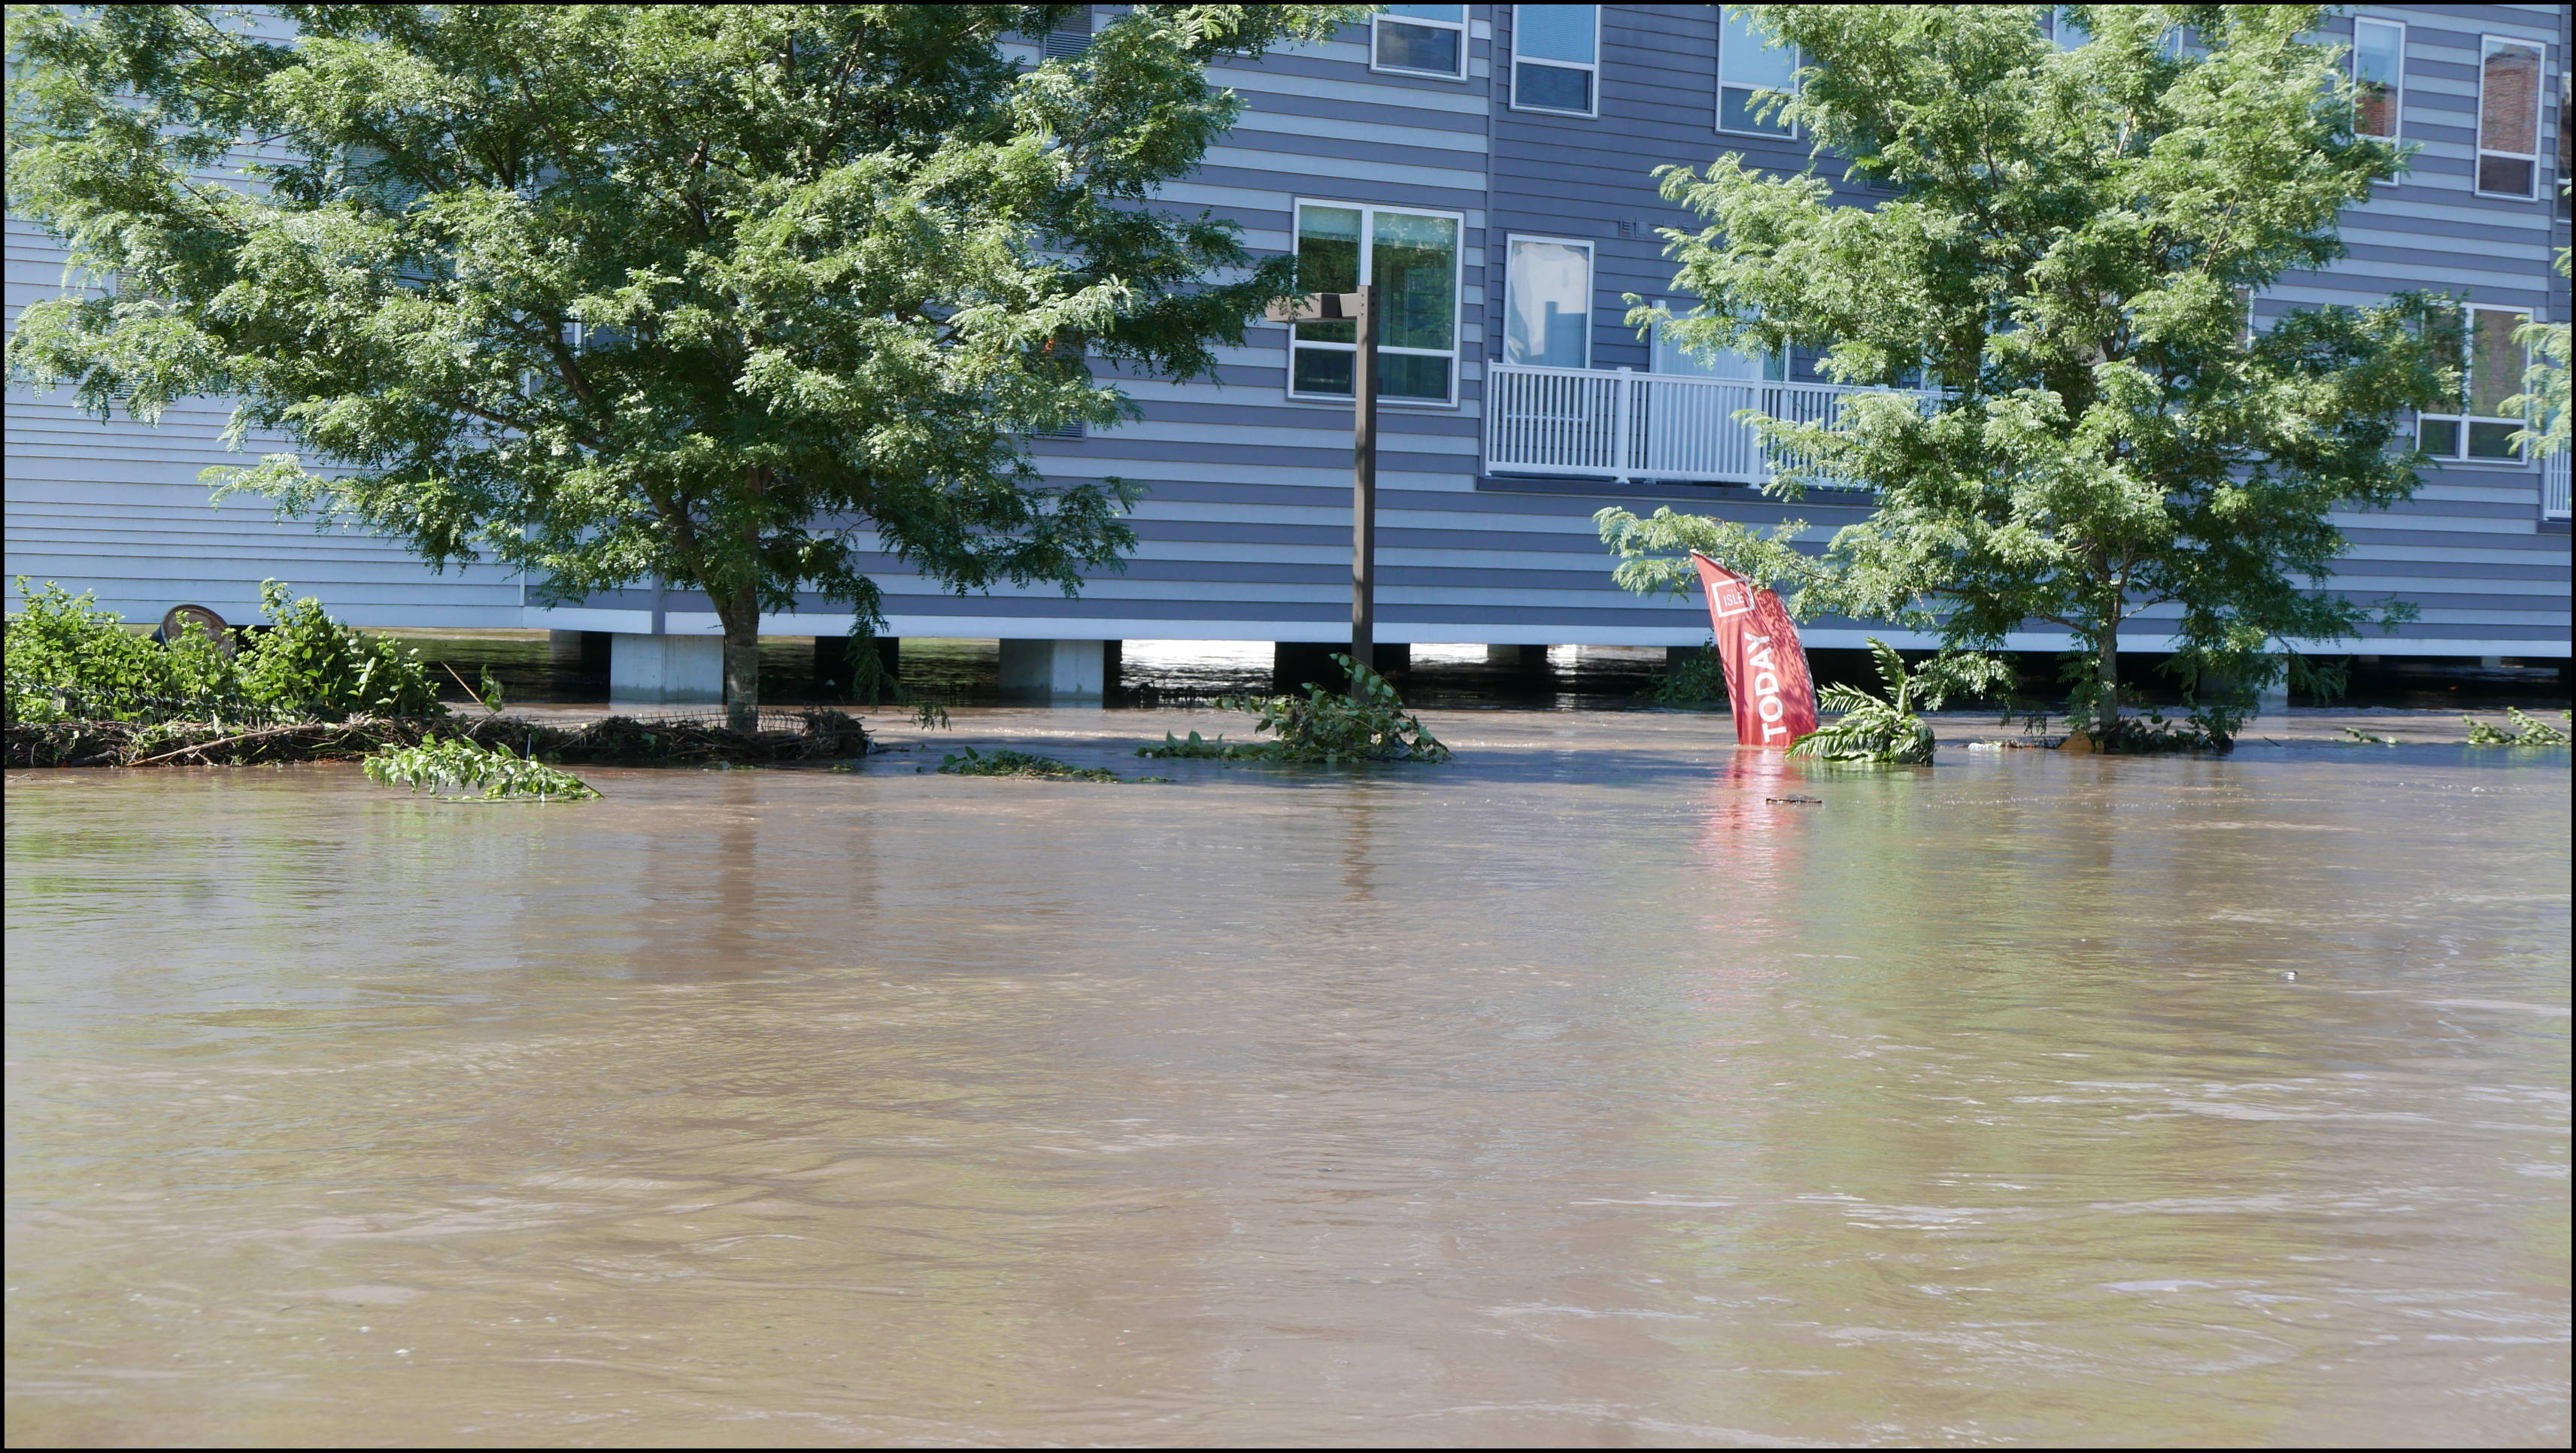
(68, 658)
(2519, 730)
(1693, 681)
(1219, 750)
(1007, 763)
(1366, 723)
(456, 764)
(309, 663)
(1876, 729)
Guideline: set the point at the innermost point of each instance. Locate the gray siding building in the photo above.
(1488, 167)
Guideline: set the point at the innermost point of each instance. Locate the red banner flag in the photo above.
(1766, 669)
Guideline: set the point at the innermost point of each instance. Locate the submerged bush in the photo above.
(1004, 762)
(69, 659)
(1219, 750)
(1693, 681)
(2519, 730)
(1366, 723)
(453, 764)
(1876, 729)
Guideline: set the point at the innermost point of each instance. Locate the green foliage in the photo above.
(2519, 730)
(1219, 750)
(1694, 681)
(1366, 723)
(66, 657)
(2063, 252)
(1886, 729)
(310, 663)
(454, 764)
(2363, 738)
(1004, 762)
(731, 295)
(2543, 399)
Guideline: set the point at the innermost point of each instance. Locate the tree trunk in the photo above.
(741, 616)
(2107, 667)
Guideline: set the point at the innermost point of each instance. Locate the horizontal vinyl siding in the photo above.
(1244, 517)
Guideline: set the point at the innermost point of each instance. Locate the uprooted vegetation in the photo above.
(451, 764)
(83, 690)
(1004, 762)
(2520, 729)
(822, 736)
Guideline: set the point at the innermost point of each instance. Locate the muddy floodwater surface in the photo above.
(1585, 1091)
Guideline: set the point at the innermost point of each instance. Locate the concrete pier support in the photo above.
(1057, 671)
(666, 670)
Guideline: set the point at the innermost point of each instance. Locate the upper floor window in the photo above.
(2378, 78)
(1556, 58)
(1672, 358)
(2058, 24)
(1749, 63)
(1413, 259)
(1547, 303)
(2491, 367)
(2508, 117)
(1420, 40)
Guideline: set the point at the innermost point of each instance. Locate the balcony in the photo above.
(1621, 425)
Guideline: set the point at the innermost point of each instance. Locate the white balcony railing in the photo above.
(2553, 486)
(1623, 425)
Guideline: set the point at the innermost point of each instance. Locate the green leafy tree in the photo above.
(728, 296)
(2065, 254)
(2543, 399)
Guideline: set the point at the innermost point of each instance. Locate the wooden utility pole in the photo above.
(1364, 485)
(1361, 309)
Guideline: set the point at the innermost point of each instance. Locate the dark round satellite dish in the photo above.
(177, 618)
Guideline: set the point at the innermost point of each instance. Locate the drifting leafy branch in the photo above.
(2519, 730)
(453, 764)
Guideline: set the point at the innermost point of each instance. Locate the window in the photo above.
(1547, 303)
(1070, 37)
(1556, 58)
(2508, 117)
(2378, 78)
(2491, 371)
(1671, 357)
(1420, 40)
(1413, 259)
(1747, 65)
(2058, 24)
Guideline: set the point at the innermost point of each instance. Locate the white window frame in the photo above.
(1797, 60)
(2462, 421)
(1368, 271)
(1592, 289)
(1592, 90)
(2398, 108)
(2487, 45)
(1656, 348)
(1460, 25)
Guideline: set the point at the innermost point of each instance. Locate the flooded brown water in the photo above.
(1576, 1093)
